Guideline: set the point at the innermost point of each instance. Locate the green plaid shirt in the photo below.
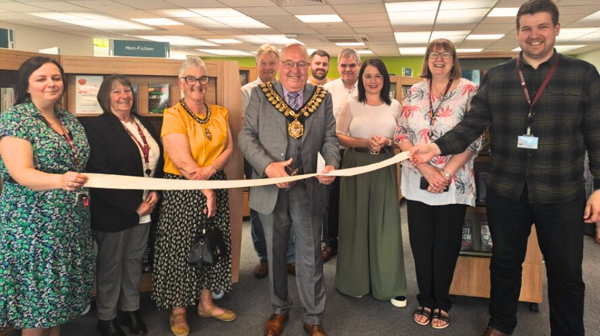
(566, 120)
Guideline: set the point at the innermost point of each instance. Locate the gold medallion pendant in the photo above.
(207, 133)
(296, 129)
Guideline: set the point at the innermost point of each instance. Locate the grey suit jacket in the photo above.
(264, 138)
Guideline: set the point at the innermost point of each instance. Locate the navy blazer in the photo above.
(113, 151)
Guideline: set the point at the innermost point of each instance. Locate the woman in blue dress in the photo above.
(46, 256)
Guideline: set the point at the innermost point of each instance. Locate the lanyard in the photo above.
(67, 136)
(540, 91)
(145, 147)
(432, 113)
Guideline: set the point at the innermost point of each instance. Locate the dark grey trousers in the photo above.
(118, 270)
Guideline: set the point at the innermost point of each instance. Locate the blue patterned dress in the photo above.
(46, 254)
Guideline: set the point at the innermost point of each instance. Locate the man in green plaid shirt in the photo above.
(543, 110)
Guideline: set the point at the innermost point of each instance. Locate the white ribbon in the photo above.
(105, 181)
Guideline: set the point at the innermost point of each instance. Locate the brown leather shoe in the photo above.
(274, 326)
(262, 269)
(489, 331)
(291, 268)
(328, 253)
(315, 330)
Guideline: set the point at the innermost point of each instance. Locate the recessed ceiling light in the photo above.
(159, 22)
(319, 18)
(471, 4)
(240, 22)
(224, 52)
(412, 37)
(350, 44)
(394, 7)
(504, 12)
(179, 40)
(593, 17)
(224, 41)
(568, 34)
(468, 50)
(412, 18)
(485, 36)
(412, 51)
(217, 12)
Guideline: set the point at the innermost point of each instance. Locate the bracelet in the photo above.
(446, 174)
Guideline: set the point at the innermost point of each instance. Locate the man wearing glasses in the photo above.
(267, 62)
(341, 90)
(286, 125)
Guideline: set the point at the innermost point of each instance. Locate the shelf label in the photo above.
(140, 48)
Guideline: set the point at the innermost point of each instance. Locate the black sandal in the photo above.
(422, 312)
(437, 315)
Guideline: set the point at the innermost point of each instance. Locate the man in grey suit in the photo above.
(286, 125)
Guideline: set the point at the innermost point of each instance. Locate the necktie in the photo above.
(292, 100)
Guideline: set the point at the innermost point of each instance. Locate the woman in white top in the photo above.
(121, 143)
(438, 192)
(370, 258)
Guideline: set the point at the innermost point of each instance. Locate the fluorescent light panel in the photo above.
(485, 36)
(224, 41)
(412, 51)
(319, 18)
(593, 17)
(412, 37)
(92, 20)
(278, 39)
(177, 13)
(365, 52)
(179, 40)
(467, 4)
(422, 18)
(159, 22)
(352, 44)
(455, 37)
(568, 34)
(468, 50)
(217, 12)
(460, 16)
(504, 12)
(225, 52)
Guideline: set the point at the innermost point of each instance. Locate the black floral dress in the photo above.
(175, 283)
(47, 262)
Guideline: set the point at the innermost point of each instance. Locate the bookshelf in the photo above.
(400, 85)
(224, 90)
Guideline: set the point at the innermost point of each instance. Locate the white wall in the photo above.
(34, 39)
(592, 57)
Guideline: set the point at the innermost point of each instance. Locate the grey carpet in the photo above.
(346, 316)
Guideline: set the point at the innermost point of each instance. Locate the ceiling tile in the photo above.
(365, 17)
(258, 11)
(19, 7)
(102, 6)
(247, 3)
(195, 3)
(374, 30)
(59, 6)
(149, 4)
(310, 10)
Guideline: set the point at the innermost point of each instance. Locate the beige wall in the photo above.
(592, 57)
(34, 39)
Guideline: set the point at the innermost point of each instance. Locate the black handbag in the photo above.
(208, 248)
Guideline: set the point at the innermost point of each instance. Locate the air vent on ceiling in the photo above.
(346, 39)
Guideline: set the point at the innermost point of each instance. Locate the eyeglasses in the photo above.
(290, 65)
(191, 80)
(445, 55)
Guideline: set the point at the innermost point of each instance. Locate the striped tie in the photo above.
(292, 100)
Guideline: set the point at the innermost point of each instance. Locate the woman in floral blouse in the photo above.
(438, 192)
(47, 262)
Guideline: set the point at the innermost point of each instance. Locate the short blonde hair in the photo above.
(266, 49)
(192, 62)
(442, 43)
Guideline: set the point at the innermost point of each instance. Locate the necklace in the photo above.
(198, 120)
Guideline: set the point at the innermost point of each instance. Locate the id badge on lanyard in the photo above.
(529, 141)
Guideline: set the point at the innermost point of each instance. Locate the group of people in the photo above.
(542, 108)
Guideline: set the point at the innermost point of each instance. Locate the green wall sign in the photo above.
(140, 48)
(6, 38)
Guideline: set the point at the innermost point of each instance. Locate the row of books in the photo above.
(476, 233)
(86, 92)
(7, 99)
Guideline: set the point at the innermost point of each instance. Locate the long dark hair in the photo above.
(385, 90)
(27, 68)
(106, 87)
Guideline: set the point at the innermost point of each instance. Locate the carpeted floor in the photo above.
(346, 316)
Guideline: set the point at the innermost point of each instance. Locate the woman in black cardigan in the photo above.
(122, 143)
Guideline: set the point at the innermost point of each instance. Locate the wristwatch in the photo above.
(446, 174)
